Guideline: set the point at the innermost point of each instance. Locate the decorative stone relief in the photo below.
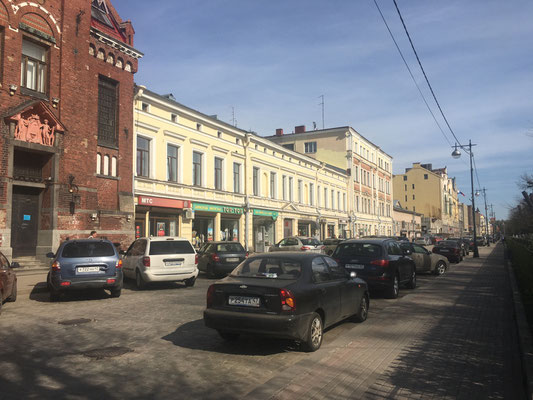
(32, 130)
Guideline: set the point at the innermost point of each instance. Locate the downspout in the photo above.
(246, 143)
(140, 92)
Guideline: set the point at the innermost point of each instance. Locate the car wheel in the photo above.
(440, 268)
(13, 296)
(314, 334)
(228, 336)
(362, 314)
(190, 282)
(330, 252)
(394, 289)
(412, 281)
(139, 281)
(115, 292)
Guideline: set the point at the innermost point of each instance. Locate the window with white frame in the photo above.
(256, 183)
(143, 157)
(197, 159)
(312, 194)
(236, 177)
(332, 199)
(33, 66)
(325, 197)
(310, 147)
(300, 191)
(284, 187)
(291, 188)
(172, 163)
(273, 178)
(218, 173)
(318, 196)
(106, 165)
(98, 163)
(113, 166)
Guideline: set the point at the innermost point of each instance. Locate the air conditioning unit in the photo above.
(189, 213)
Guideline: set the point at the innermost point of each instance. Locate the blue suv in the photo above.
(85, 264)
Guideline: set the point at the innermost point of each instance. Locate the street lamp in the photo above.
(456, 153)
(484, 191)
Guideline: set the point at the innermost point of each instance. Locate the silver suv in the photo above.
(161, 259)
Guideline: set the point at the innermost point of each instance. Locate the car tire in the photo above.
(228, 336)
(394, 289)
(190, 282)
(440, 268)
(330, 252)
(139, 281)
(362, 313)
(13, 296)
(315, 333)
(412, 282)
(116, 292)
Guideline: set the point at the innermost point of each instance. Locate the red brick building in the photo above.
(66, 124)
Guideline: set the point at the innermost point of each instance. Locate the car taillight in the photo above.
(304, 248)
(380, 263)
(287, 300)
(210, 294)
(146, 261)
(247, 255)
(118, 265)
(56, 266)
(196, 258)
(65, 283)
(215, 257)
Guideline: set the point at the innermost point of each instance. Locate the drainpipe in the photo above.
(246, 143)
(136, 96)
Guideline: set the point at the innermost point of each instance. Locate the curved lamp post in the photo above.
(456, 153)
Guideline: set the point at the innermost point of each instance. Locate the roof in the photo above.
(288, 254)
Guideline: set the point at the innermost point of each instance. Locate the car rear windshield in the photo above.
(88, 249)
(448, 243)
(357, 249)
(310, 242)
(230, 248)
(158, 248)
(271, 268)
(329, 242)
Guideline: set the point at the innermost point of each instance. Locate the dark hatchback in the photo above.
(85, 264)
(220, 258)
(380, 262)
(465, 244)
(285, 295)
(450, 249)
(8, 280)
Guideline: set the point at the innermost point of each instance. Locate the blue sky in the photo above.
(271, 60)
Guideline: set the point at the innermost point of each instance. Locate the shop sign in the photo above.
(161, 202)
(266, 213)
(217, 208)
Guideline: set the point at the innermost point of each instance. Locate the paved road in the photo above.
(448, 338)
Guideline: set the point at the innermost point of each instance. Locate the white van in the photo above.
(161, 259)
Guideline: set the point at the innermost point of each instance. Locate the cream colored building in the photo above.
(432, 193)
(406, 223)
(203, 179)
(369, 168)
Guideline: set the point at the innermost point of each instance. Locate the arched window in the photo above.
(92, 50)
(98, 163)
(113, 166)
(106, 165)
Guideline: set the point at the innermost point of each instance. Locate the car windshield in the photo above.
(310, 242)
(158, 248)
(88, 249)
(230, 248)
(357, 249)
(271, 268)
(448, 243)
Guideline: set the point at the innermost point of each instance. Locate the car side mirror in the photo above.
(15, 265)
(353, 274)
(50, 255)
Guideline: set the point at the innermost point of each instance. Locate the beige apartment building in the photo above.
(432, 193)
(369, 170)
(406, 223)
(203, 179)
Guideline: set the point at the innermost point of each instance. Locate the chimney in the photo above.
(299, 129)
(279, 132)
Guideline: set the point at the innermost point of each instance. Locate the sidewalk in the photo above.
(454, 338)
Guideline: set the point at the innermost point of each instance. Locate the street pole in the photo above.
(476, 251)
(486, 216)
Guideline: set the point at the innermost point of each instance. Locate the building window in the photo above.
(219, 135)
(198, 127)
(236, 178)
(318, 189)
(273, 185)
(218, 173)
(312, 194)
(405, 177)
(113, 166)
(325, 197)
(256, 178)
(413, 185)
(300, 191)
(291, 188)
(98, 163)
(405, 186)
(174, 118)
(106, 165)
(413, 196)
(107, 112)
(284, 187)
(145, 107)
(143, 157)
(426, 176)
(172, 163)
(197, 168)
(289, 146)
(332, 199)
(33, 66)
(310, 147)
(357, 203)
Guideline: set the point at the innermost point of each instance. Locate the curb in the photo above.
(524, 333)
(30, 271)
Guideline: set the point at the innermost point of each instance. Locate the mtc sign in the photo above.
(162, 202)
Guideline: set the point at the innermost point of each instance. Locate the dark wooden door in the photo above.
(25, 221)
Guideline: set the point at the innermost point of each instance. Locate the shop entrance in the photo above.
(202, 231)
(24, 221)
(229, 229)
(263, 233)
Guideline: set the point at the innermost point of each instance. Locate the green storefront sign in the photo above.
(217, 208)
(266, 213)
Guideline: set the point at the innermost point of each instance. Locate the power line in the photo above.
(411, 73)
(424, 72)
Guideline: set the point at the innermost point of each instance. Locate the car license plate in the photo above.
(88, 269)
(445, 250)
(244, 301)
(232, 259)
(355, 266)
(173, 263)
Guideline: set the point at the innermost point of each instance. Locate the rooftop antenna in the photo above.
(322, 104)
(233, 120)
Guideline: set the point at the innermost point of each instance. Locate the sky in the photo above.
(267, 62)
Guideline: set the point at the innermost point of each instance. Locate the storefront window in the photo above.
(202, 231)
(331, 231)
(264, 233)
(303, 229)
(229, 230)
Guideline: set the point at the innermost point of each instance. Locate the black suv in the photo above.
(380, 262)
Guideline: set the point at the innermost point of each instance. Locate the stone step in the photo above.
(28, 262)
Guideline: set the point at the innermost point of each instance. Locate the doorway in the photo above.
(24, 221)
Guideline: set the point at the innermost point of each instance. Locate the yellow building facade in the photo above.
(203, 179)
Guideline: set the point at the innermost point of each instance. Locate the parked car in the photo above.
(465, 244)
(85, 264)
(8, 280)
(330, 244)
(286, 295)
(425, 260)
(423, 240)
(161, 259)
(298, 243)
(380, 262)
(220, 257)
(450, 249)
